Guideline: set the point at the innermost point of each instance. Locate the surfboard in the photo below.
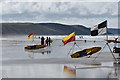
(35, 46)
(85, 52)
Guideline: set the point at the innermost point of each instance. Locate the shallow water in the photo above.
(51, 61)
(59, 71)
(14, 49)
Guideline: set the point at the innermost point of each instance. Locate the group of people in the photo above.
(45, 42)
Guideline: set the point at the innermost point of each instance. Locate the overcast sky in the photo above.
(84, 12)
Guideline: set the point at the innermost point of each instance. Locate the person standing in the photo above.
(42, 40)
(49, 41)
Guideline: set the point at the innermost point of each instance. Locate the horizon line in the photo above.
(54, 23)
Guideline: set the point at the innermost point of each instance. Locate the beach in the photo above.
(83, 35)
(51, 62)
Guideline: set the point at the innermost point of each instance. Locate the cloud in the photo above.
(79, 8)
(59, 0)
(59, 11)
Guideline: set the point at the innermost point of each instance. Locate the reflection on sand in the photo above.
(33, 52)
(31, 56)
(114, 70)
(43, 52)
(69, 70)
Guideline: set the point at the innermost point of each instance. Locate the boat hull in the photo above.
(85, 52)
(35, 47)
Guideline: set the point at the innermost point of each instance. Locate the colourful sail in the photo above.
(31, 35)
(69, 38)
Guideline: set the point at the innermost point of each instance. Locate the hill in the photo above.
(46, 29)
(42, 29)
(114, 31)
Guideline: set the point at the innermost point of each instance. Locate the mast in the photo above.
(106, 30)
(33, 38)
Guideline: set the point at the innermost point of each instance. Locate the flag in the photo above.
(99, 29)
(31, 35)
(69, 38)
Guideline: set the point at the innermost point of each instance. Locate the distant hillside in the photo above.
(42, 29)
(46, 29)
(114, 31)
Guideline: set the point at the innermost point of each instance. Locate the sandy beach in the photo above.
(51, 61)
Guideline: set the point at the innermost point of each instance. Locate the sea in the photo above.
(55, 61)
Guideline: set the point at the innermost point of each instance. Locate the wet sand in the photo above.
(51, 61)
